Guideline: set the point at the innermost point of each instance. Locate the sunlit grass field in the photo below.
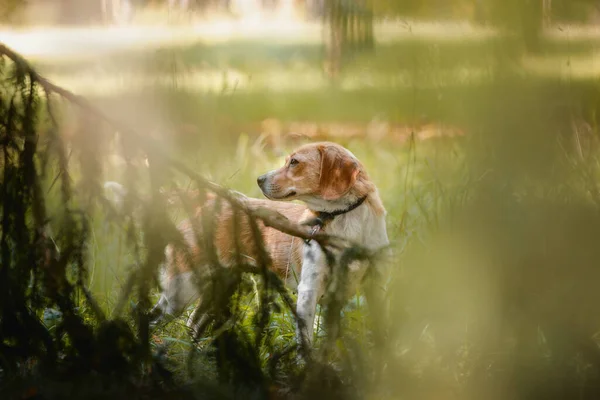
(483, 227)
(419, 181)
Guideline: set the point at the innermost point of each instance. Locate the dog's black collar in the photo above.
(323, 217)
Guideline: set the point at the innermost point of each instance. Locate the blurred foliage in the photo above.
(575, 10)
(52, 328)
(493, 291)
(423, 8)
(9, 7)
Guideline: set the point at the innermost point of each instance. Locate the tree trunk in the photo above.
(350, 24)
(547, 13)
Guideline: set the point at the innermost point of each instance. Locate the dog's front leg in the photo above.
(312, 286)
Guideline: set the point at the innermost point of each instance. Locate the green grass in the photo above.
(404, 174)
(259, 64)
(409, 178)
(493, 279)
(472, 267)
(224, 88)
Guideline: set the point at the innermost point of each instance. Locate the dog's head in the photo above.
(315, 173)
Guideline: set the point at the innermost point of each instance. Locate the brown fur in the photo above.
(338, 172)
(285, 250)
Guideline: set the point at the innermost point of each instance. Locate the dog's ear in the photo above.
(338, 172)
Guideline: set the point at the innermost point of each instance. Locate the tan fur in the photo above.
(365, 187)
(338, 172)
(285, 251)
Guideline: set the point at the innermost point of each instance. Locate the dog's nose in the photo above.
(261, 180)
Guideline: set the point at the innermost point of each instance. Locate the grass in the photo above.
(410, 172)
(225, 87)
(412, 176)
(493, 281)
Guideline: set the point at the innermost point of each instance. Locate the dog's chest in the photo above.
(360, 226)
(365, 228)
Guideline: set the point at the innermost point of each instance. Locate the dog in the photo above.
(338, 199)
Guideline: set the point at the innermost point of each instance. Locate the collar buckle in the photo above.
(316, 227)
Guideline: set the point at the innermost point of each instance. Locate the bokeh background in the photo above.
(477, 119)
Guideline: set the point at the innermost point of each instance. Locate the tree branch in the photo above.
(269, 217)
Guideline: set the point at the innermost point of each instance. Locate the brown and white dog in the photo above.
(337, 193)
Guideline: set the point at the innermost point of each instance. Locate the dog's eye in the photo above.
(293, 162)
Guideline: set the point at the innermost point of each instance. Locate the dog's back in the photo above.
(285, 251)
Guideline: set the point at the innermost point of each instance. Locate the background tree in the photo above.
(350, 24)
(9, 7)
